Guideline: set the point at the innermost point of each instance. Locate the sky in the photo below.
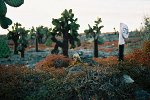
(112, 12)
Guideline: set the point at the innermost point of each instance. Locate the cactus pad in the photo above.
(14, 3)
(3, 8)
(5, 22)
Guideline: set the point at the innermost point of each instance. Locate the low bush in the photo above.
(140, 56)
(18, 82)
(57, 61)
(107, 61)
(54, 64)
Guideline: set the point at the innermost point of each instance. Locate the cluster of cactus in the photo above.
(42, 33)
(19, 37)
(4, 49)
(95, 32)
(14, 35)
(5, 21)
(65, 26)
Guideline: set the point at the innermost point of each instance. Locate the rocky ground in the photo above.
(32, 57)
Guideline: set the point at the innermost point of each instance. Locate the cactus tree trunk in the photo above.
(36, 44)
(15, 47)
(96, 48)
(65, 44)
(22, 54)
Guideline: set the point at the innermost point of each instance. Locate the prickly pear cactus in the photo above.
(3, 8)
(65, 26)
(14, 3)
(4, 21)
(95, 31)
(4, 49)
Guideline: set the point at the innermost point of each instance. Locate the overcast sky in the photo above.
(112, 12)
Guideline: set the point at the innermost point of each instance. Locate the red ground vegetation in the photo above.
(138, 56)
(40, 47)
(107, 61)
(106, 49)
(54, 64)
(113, 43)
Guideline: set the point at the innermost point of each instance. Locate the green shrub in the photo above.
(4, 49)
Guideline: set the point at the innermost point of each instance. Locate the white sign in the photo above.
(123, 33)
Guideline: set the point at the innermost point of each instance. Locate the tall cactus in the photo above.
(14, 35)
(23, 42)
(42, 33)
(4, 21)
(32, 35)
(95, 32)
(66, 27)
(19, 37)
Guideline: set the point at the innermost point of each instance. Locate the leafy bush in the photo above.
(4, 49)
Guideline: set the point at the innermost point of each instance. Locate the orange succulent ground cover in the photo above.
(54, 64)
(107, 61)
